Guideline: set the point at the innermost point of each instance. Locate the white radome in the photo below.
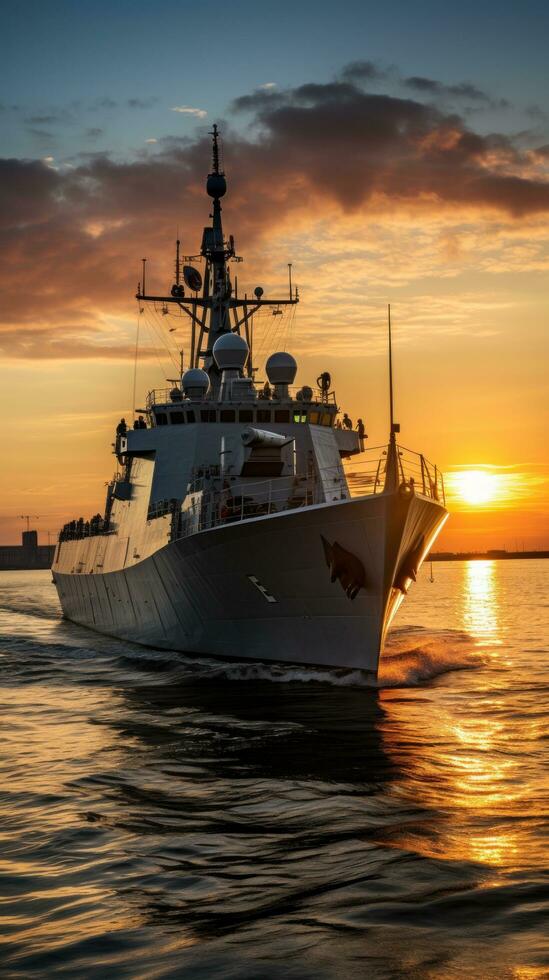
(281, 368)
(195, 383)
(230, 352)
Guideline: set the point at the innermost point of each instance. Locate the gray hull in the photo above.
(265, 589)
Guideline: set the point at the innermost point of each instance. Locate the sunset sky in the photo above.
(394, 152)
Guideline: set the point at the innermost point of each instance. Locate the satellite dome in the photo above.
(281, 368)
(195, 383)
(216, 185)
(176, 395)
(230, 352)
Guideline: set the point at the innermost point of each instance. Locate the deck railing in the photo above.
(363, 476)
(207, 507)
(161, 396)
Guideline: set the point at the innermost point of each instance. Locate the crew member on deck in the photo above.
(361, 433)
(121, 430)
(324, 382)
(347, 422)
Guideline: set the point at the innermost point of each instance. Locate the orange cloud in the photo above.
(72, 238)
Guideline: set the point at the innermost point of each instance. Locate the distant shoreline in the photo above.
(484, 555)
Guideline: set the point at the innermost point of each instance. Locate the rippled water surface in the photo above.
(164, 816)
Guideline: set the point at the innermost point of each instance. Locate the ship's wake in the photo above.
(412, 656)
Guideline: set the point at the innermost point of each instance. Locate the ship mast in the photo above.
(213, 311)
(392, 466)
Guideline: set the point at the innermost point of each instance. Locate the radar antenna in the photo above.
(215, 149)
(213, 307)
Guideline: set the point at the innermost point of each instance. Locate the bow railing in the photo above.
(207, 506)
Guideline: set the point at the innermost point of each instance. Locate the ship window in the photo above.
(177, 418)
(190, 416)
(327, 418)
(227, 415)
(314, 417)
(208, 415)
(161, 418)
(263, 415)
(282, 415)
(245, 415)
(300, 416)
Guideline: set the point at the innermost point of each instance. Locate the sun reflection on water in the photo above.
(469, 764)
(480, 601)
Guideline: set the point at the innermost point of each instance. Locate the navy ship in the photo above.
(244, 520)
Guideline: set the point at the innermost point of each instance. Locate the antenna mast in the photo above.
(390, 368)
(28, 518)
(177, 262)
(215, 149)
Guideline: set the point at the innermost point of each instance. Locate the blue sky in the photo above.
(63, 62)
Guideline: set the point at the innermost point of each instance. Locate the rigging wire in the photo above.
(154, 338)
(135, 359)
(158, 327)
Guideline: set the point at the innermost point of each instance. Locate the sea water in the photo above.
(172, 816)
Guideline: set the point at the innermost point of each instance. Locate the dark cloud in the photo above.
(79, 233)
(536, 112)
(44, 120)
(258, 100)
(51, 117)
(142, 103)
(362, 71)
(103, 103)
(461, 91)
(464, 90)
(41, 135)
(94, 132)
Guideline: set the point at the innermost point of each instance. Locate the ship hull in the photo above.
(318, 585)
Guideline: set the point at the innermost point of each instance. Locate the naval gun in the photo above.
(258, 453)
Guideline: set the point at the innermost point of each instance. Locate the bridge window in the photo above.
(263, 415)
(177, 418)
(314, 418)
(300, 416)
(190, 416)
(161, 418)
(245, 415)
(282, 415)
(327, 418)
(208, 415)
(227, 415)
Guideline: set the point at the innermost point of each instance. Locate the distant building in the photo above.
(29, 554)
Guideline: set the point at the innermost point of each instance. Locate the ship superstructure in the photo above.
(244, 521)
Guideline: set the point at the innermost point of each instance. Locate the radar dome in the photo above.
(281, 368)
(216, 185)
(195, 383)
(230, 352)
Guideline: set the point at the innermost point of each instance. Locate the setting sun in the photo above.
(476, 486)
